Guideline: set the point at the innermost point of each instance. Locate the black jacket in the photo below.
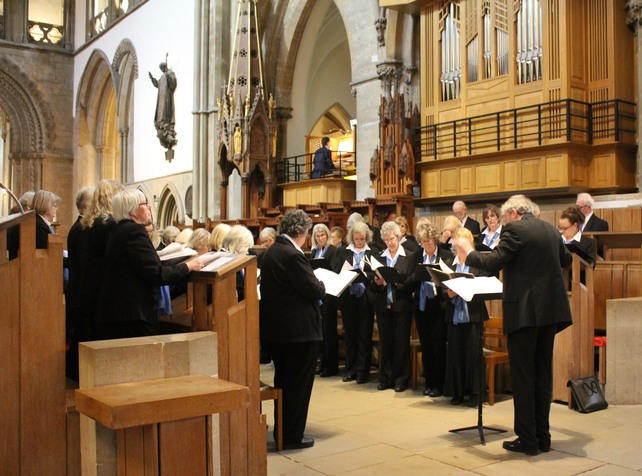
(290, 294)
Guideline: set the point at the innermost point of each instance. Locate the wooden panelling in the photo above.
(602, 171)
(579, 171)
(488, 178)
(430, 183)
(556, 171)
(448, 182)
(532, 173)
(466, 180)
(512, 175)
(326, 190)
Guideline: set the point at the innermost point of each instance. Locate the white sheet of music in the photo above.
(335, 283)
(467, 288)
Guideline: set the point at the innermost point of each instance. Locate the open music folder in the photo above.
(476, 288)
(336, 283)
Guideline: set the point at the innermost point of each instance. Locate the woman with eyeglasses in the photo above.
(133, 273)
(569, 226)
(394, 306)
(490, 234)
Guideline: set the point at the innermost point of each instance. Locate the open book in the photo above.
(336, 283)
(175, 250)
(388, 273)
(215, 259)
(442, 273)
(478, 288)
(317, 263)
(574, 247)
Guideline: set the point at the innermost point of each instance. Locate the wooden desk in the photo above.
(628, 242)
(162, 424)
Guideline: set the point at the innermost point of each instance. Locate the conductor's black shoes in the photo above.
(518, 447)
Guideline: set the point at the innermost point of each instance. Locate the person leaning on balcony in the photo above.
(322, 161)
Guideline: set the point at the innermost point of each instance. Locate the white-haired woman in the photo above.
(394, 306)
(239, 240)
(133, 273)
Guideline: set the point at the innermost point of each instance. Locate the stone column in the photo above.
(634, 21)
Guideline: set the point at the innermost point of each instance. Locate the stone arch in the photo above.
(171, 207)
(98, 144)
(291, 16)
(125, 68)
(33, 127)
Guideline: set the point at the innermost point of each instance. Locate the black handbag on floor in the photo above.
(586, 395)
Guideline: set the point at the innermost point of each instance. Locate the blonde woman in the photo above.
(199, 241)
(219, 233)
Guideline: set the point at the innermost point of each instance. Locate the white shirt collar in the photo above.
(292, 241)
(488, 232)
(434, 254)
(577, 237)
(400, 252)
(358, 250)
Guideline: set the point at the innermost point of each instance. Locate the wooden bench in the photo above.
(161, 424)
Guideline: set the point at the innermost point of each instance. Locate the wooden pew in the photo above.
(32, 352)
(620, 274)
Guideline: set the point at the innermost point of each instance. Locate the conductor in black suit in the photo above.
(535, 308)
(133, 275)
(461, 211)
(591, 223)
(290, 323)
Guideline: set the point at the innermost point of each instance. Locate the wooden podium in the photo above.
(32, 352)
(243, 433)
(573, 351)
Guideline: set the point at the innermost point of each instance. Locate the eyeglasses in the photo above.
(145, 203)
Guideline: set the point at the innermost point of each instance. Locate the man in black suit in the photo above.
(535, 308)
(290, 323)
(461, 211)
(322, 162)
(591, 223)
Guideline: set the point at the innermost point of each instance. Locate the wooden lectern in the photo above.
(573, 352)
(32, 352)
(243, 433)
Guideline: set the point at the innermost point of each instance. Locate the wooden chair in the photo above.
(270, 393)
(495, 342)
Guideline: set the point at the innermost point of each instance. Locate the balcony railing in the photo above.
(531, 126)
(298, 167)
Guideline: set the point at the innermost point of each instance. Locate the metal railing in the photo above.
(299, 167)
(553, 122)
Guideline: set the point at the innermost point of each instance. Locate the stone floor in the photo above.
(361, 431)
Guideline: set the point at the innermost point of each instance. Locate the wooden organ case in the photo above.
(525, 96)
